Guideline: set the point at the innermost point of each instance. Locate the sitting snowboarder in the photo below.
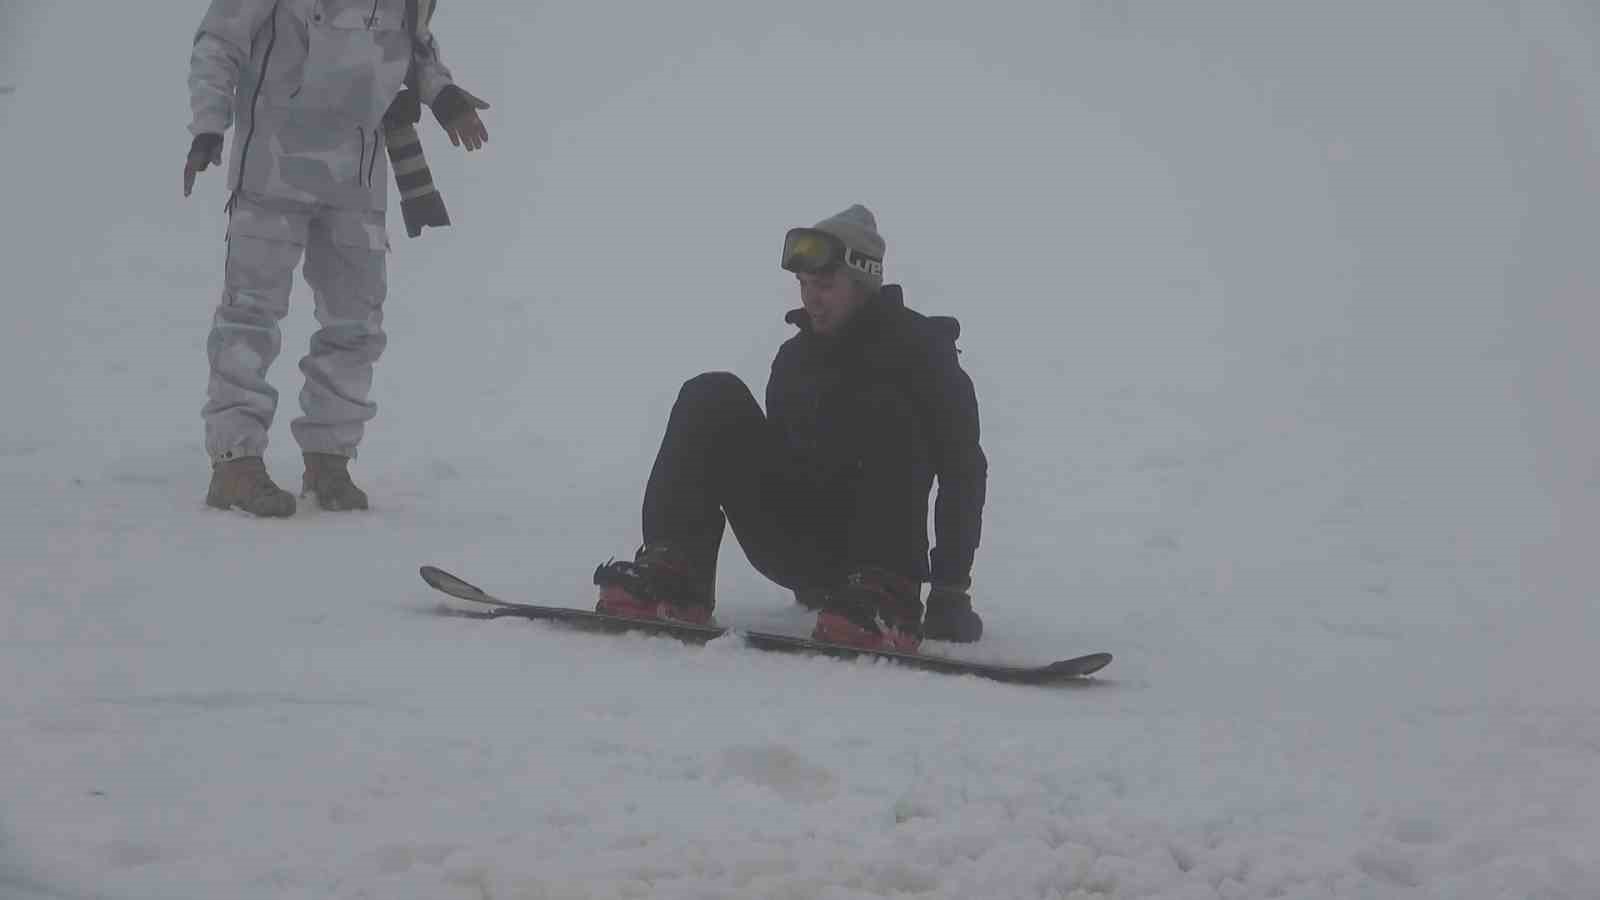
(827, 492)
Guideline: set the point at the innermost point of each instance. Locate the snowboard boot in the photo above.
(951, 616)
(243, 483)
(328, 476)
(660, 583)
(875, 610)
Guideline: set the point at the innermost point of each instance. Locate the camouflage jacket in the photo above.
(307, 83)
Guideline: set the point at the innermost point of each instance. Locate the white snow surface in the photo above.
(1282, 317)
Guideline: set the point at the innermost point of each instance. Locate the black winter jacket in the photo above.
(885, 342)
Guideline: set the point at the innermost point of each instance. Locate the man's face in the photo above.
(830, 298)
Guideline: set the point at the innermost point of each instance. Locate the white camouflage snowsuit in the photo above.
(306, 83)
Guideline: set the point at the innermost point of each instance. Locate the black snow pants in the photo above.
(803, 520)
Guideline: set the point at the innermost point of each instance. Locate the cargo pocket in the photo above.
(361, 230)
(269, 219)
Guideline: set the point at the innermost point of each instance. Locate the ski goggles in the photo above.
(810, 250)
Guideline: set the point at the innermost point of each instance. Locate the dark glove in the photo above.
(457, 112)
(204, 151)
(812, 598)
(453, 103)
(950, 616)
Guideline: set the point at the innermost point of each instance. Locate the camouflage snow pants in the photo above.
(344, 253)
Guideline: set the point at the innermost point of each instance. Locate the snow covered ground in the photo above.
(1282, 318)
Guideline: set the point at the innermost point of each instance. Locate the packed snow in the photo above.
(1281, 316)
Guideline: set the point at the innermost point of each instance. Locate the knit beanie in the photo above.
(857, 228)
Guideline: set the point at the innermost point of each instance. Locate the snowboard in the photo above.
(1060, 671)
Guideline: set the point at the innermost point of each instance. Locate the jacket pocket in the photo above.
(357, 53)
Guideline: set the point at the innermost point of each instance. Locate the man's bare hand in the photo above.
(206, 151)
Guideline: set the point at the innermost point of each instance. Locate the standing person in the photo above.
(827, 492)
(307, 84)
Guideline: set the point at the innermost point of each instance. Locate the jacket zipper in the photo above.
(244, 151)
(362, 160)
(374, 163)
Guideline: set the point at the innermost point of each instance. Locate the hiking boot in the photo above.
(660, 583)
(328, 476)
(243, 483)
(951, 616)
(875, 610)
